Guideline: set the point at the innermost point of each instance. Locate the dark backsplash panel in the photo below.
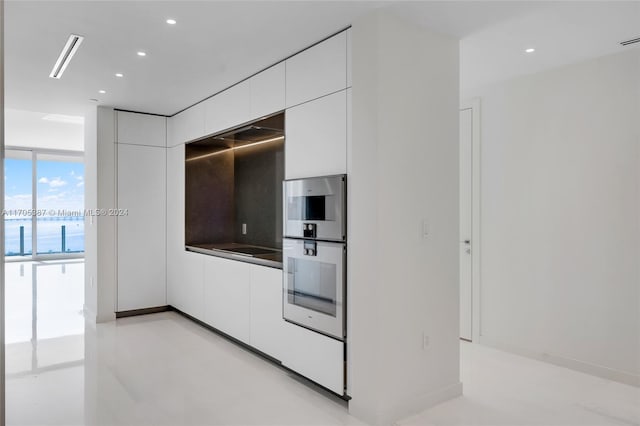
(209, 198)
(226, 187)
(259, 172)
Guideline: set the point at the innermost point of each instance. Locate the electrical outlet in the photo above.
(425, 341)
(425, 229)
(244, 229)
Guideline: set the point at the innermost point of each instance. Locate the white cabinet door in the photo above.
(316, 137)
(317, 71)
(315, 356)
(185, 283)
(141, 129)
(185, 270)
(227, 295)
(267, 325)
(186, 126)
(141, 233)
(267, 91)
(228, 109)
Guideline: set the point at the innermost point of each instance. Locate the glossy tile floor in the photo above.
(163, 369)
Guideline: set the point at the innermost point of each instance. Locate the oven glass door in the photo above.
(314, 285)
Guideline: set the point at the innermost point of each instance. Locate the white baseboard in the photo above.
(423, 402)
(386, 416)
(573, 364)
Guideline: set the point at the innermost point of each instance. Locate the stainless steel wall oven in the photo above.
(314, 254)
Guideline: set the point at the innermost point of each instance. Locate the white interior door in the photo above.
(466, 180)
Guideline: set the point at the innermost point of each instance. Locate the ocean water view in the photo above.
(49, 235)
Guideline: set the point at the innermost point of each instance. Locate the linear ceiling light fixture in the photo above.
(628, 42)
(65, 56)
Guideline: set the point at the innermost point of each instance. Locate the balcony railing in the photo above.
(55, 235)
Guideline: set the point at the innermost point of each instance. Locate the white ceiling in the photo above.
(217, 43)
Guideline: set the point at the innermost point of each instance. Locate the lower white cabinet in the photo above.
(141, 232)
(185, 282)
(267, 325)
(315, 356)
(245, 302)
(227, 295)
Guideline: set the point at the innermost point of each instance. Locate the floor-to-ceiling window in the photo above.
(44, 204)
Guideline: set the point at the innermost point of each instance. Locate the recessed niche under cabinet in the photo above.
(233, 192)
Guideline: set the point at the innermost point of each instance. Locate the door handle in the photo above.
(467, 241)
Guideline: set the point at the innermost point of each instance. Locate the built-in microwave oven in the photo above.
(315, 208)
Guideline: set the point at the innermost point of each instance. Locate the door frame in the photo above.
(476, 283)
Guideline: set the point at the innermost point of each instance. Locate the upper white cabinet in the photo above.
(228, 108)
(317, 71)
(267, 91)
(227, 295)
(186, 126)
(316, 137)
(141, 232)
(141, 129)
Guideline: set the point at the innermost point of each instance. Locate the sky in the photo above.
(60, 185)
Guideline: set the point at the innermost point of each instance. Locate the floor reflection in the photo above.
(44, 335)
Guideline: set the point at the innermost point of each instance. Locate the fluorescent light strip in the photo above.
(279, 138)
(70, 48)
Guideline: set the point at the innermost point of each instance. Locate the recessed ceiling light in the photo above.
(118, 74)
(530, 50)
(171, 21)
(141, 53)
(102, 91)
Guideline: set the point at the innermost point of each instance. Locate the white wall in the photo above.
(403, 169)
(90, 202)
(560, 215)
(100, 231)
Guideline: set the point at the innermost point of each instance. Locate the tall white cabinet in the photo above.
(141, 204)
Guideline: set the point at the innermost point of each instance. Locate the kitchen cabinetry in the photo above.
(316, 137)
(141, 256)
(186, 126)
(317, 71)
(317, 357)
(185, 270)
(267, 91)
(141, 129)
(228, 108)
(185, 283)
(267, 325)
(227, 295)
